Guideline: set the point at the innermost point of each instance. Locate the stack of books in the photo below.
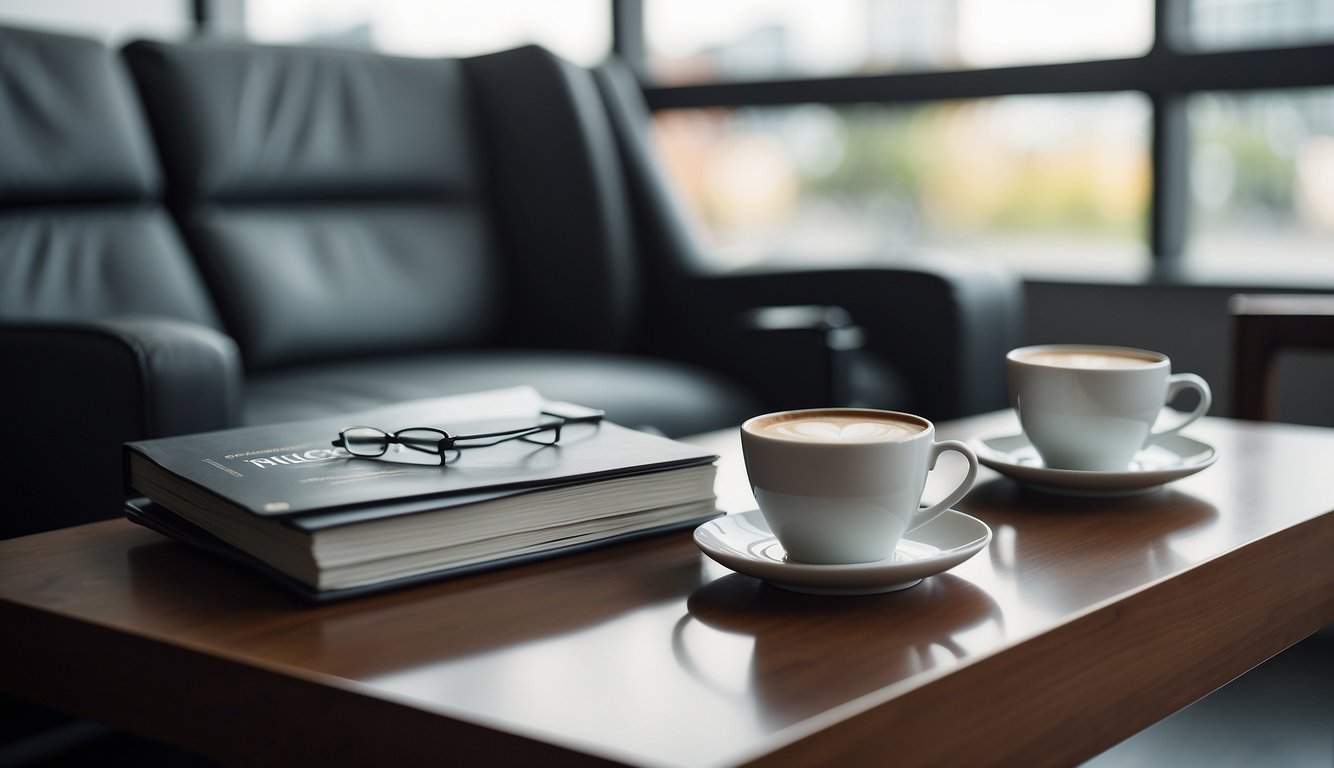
(284, 500)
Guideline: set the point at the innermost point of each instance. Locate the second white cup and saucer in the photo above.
(1095, 423)
(839, 491)
(1166, 458)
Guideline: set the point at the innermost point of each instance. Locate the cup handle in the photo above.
(1175, 384)
(927, 514)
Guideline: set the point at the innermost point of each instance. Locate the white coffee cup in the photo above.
(843, 485)
(1091, 407)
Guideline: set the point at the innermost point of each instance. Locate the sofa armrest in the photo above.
(935, 328)
(77, 391)
(832, 329)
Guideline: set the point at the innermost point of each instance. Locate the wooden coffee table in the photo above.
(1082, 622)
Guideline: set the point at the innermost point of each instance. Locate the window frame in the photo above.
(1167, 74)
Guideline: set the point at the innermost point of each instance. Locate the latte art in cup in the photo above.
(833, 428)
(1089, 359)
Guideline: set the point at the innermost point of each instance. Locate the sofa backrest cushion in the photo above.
(334, 199)
(82, 234)
(71, 126)
(249, 122)
(561, 200)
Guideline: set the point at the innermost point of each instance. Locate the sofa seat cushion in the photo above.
(672, 397)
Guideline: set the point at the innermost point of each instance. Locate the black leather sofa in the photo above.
(200, 235)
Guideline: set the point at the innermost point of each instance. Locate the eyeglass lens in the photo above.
(427, 440)
(365, 441)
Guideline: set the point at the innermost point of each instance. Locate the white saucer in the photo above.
(1168, 458)
(744, 543)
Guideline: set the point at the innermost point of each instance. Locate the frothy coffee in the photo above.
(1089, 359)
(838, 427)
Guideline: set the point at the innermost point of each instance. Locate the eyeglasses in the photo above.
(371, 443)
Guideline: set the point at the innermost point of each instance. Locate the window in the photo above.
(1262, 180)
(1072, 136)
(579, 30)
(704, 40)
(1223, 24)
(111, 22)
(1030, 180)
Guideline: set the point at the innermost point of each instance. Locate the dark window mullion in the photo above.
(1077, 77)
(628, 36)
(209, 17)
(1161, 70)
(1169, 202)
(1169, 141)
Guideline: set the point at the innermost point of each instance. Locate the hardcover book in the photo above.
(285, 499)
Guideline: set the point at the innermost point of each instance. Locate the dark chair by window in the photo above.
(1264, 326)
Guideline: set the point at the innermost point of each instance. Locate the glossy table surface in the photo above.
(1082, 622)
